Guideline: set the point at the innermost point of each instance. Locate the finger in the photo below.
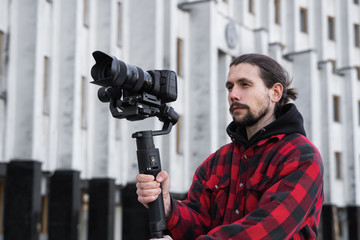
(147, 185)
(148, 192)
(166, 237)
(162, 176)
(144, 178)
(144, 199)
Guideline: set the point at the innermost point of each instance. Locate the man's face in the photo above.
(248, 97)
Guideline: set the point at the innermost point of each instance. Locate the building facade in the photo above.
(50, 113)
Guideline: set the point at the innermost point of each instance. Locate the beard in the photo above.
(250, 117)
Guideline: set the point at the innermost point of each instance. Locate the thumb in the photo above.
(163, 178)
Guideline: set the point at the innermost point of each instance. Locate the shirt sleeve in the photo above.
(191, 218)
(292, 203)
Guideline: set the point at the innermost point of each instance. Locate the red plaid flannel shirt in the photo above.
(272, 190)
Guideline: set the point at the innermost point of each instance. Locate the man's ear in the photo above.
(276, 92)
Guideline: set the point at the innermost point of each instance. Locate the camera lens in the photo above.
(103, 95)
(107, 71)
(111, 72)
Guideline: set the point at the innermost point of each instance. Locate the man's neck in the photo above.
(266, 120)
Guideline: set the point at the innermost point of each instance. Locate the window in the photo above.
(338, 165)
(178, 136)
(358, 72)
(179, 56)
(342, 220)
(333, 63)
(1, 47)
(331, 28)
(357, 35)
(84, 200)
(119, 24)
(277, 11)
(86, 13)
(46, 88)
(359, 111)
(44, 215)
(303, 20)
(251, 6)
(336, 102)
(83, 102)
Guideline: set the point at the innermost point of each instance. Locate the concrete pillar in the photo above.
(351, 122)
(275, 51)
(201, 106)
(290, 21)
(4, 37)
(21, 79)
(344, 28)
(222, 111)
(261, 40)
(308, 86)
(65, 77)
(325, 71)
(100, 117)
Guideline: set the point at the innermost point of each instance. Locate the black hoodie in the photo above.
(289, 120)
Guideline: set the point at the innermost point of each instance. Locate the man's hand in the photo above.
(166, 237)
(148, 189)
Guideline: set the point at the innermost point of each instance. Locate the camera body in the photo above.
(133, 94)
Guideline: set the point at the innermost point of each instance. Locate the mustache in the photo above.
(236, 105)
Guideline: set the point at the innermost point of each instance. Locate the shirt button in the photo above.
(237, 211)
(245, 157)
(241, 185)
(216, 187)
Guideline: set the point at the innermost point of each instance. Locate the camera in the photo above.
(133, 94)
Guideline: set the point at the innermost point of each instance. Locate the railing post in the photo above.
(22, 203)
(135, 216)
(101, 209)
(64, 205)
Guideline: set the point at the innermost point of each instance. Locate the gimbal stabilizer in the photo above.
(135, 95)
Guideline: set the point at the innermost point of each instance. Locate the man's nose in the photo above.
(234, 95)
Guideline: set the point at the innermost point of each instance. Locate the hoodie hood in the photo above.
(288, 121)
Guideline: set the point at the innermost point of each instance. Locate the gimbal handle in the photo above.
(149, 163)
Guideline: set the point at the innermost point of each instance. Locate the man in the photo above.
(267, 183)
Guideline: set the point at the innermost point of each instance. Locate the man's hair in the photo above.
(271, 72)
